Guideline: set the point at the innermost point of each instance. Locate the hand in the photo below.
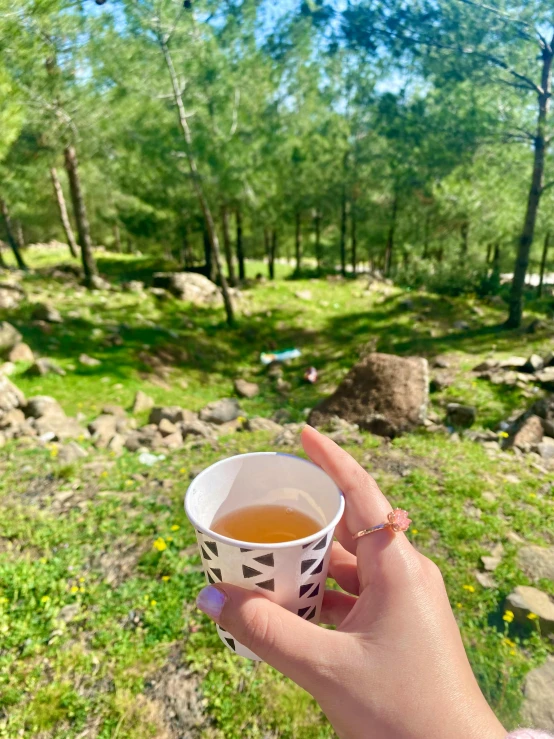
(395, 668)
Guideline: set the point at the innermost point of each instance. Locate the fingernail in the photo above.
(211, 600)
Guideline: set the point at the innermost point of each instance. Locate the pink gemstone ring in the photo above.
(397, 521)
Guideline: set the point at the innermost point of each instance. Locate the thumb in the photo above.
(297, 648)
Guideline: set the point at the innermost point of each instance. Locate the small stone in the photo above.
(87, 361)
(440, 363)
(290, 435)
(133, 286)
(172, 413)
(460, 325)
(514, 538)
(21, 353)
(142, 402)
(70, 453)
(116, 444)
(546, 448)
(514, 363)
(69, 612)
(102, 429)
(303, 294)
(460, 415)
(485, 579)
(8, 368)
(548, 428)
(167, 428)
(282, 416)
(533, 364)
(486, 366)
(529, 433)
(546, 377)
(246, 389)
(114, 410)
(99, 283)
(262, 424)
(9, 337)
(525, 600)
(282, 386)
(538, 691)
(440, 381)
(274, 369)
(61, 426)
(537, 562)
(195, 427)
(42, 367)
(46, 312)
(221, 411)
(489, 497)
(173, 441)
(490, 563)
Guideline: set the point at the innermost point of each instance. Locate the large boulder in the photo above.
(538, 704)
(189, 286)
(9, 337)
(383, 393)
(537, 562)
(46, 312)
(527, 434)
(220, 411)
(142, 402)
(246, 389)
(43, 405)
(525, 600)
(460, 415)
(59, 428)
(21, 353)
(10, 396)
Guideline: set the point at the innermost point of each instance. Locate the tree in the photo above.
(64, 217)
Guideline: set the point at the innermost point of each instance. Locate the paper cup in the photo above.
(290, 573)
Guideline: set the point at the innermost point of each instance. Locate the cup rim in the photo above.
(259, 545)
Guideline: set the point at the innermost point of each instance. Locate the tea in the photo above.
(266, 524)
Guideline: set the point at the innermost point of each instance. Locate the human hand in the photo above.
(395, 668)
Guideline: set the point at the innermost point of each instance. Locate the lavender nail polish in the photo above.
(211, 600)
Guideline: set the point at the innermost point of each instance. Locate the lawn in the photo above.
(99, 636)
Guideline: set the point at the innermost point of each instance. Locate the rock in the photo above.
(70, 453)
(148, 437)
(548, 428)
(537, 562)
(172, 413)
(167, 428)
(61, 427)
(87, 361)
(440, 363)
(99, 283)
(116, 444)
(303, 294)
(10, 396)
(46, 312)
(546, 448)
(133, 286)
(529, 433)
(274, 369)
(489, 497)
(159, 293)
(69, 612)
(406, 304)
(440, 381)
(533, 364)
(485, 579)
(538, 702)
(246, 389)
(21, 353)
(188, 286)
(460, 415)
(546, 377)
(103, 428)
(486, 366)
(9, 337)
(290, 435)
(142, 402)
(262, 424)
(43, 405)
(525, 600)
(10, 296)
(193, 426)
(282, 386)
(282, 416)
(383, 393)
(512, 363)
(7, 368)
(173, 441)
(221, 411)
(114, 410)
(514, 538)
(15, 417)
(460, 325)
(490, 563)
(535, 326)
(43, 366)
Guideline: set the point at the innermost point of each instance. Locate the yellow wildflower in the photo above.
(43, 560)
(513, 652)
(175, 527)
(508, 617)
(241, 419)
(104, 473)
(81, 590)
(503, 434)
(81, 579)
(508, 642)
(458, 605)
(54, 452)
(153, 603)
(532, 495)
(415, 532)
(73, 589)
(183, 470)
(160, 544)
(469, 588)
(532, 616)
(169, 538)
(45, 599)
(128, 482)
(165, 578)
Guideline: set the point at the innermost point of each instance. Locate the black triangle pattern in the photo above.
(245, 550)
(303, 611)
(230, 642)
(314, 592)
(304, 589)
(321, 544)
(267, 584)
(205, 553)
(311, 614)
(266, 559)
(215, 571)
(210, 578)
(318, 569)
(305, 546)
(306, 564)
(212, 546)
(250, 571)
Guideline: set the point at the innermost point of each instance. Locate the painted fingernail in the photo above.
(211, 600)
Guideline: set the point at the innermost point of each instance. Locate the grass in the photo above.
(95, 623)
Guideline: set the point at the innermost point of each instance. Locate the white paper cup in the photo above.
(290, 573)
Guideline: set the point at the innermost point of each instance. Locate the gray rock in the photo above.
(303, 294)
(460, 325)
(44, 366)
(102, 429)
(546, 377)
(525, 600)
(537, 562)
(87, 361)
(486, 366)
(114, 410)
(282, 416)
(70, 453)
(440, 363)
(10, 296)
(8, 368)
(148, 437)
(533, 364)
(43, 405)
(172, 413)
(188, 286)
(275, 369)
(9, 337)
(460, 415)
(548, 428)
(142, 402)
(486, 580)
(262, 424)
(282, 386)
(69, 612)
(15, 418)
(530, 432)
(173, 441)
(290, 435)
(46, 312)
(195, 427)
(159, 293)
(62, 427)
(117, 443)
(440, 381)
(490, 563)
(21, 353)
(546, 448)
(133, 286)
(512, 363)
(221, 411)
(167, 428)
(246, 389)
(538, 691)
(10, 396)
(99, 283)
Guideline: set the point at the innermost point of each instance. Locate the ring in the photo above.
(397, 521)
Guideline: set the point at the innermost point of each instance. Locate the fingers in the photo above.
(343, 568)
(336, 607)
(297, 648)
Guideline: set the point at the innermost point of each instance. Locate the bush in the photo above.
(449, 278)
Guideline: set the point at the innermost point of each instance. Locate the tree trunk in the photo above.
(12, 241)
(117, 238)
(187, 259)
(298, 241)
(317, 239)
(239, 245)
(343, 233)
(64, 217)
(353, 236)
(80, 213)
(272, 254)
(196, 180)
(208, 261)
(227, 246)
(426, 229)
(489, 253)
(496, 260)
(464, 242)
(440, 254)
(389, 247)
(19, 237)
(543, 263)
(535, 192)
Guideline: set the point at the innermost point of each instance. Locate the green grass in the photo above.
(134, 620)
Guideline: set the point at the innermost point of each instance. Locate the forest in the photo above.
(411, 140)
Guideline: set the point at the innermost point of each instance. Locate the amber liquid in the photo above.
(266, 524)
